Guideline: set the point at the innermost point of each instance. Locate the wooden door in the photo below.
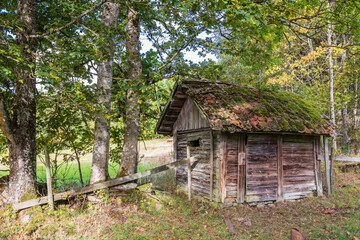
(261, 168)
(233, 167)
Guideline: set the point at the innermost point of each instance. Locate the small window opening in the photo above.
(194, 143)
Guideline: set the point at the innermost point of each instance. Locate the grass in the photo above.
(135, 215)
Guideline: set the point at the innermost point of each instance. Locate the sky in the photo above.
(146, 45)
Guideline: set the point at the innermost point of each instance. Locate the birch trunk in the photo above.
(21, 126)
(345, 125)
(99, 168)
(331, 72)
(130, 153)
(355, 120)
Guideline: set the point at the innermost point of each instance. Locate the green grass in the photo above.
(68, 174)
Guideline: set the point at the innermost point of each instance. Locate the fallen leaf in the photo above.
(329, 211)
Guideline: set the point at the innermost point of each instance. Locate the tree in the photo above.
(17, 105)
(99, 169)
(133, 74)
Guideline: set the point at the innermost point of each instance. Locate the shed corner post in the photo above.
(280, 193)
(327, 164)
(189, 170)
(317, 167)
(211, 165)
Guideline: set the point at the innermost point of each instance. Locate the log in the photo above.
(97, 186)
(230, 226)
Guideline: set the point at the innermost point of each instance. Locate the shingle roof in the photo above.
(234, 108)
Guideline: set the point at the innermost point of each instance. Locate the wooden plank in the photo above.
(189, 171)
(217, 167)
(211, 164)
(261, 168)
(48, 178)
(230, 226)
(242, 163)
(342, 158)
(327, 165)
(222, 169)
(280, 174)
(98, 186)
(317, 182)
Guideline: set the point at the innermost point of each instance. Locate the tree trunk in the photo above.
(331, 72)
(345, 125)
(355, 120)
(99, 169)
(22, 125)
(129, 158)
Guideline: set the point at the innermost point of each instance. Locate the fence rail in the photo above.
(343, 158)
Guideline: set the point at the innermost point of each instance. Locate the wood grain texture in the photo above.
(200, 173)
(280, 172)
(190, 117)
(261, 179)
(97, 186)
(298, 167)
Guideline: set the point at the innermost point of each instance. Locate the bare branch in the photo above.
(186, 44)
(54, 30)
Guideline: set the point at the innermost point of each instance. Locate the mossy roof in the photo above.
(234, 108)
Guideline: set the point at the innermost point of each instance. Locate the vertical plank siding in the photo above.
(200, 173)
(298, 166)
(245, 167)
(190, 117)
(261, 167)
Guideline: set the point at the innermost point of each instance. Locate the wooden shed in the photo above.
(247, 145)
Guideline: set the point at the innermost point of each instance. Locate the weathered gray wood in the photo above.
(190, 117)
(125, 187)
(331, 167)
(343, 158)
(98, 186)
(261, 168)
(48, 178)
(327, 166)
(317, 182)
(211, 165)
(230, 226)
(222, 169)
(280, 193)
(189, 171)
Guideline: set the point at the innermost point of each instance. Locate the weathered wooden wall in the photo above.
(232, 167)
(190, 118)
(200, 175)
(278, 167)
(298, 166)
(261, 168)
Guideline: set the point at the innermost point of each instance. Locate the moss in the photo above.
(284, 124)
(289, 111)
(48, 230)
(30, 229)
(297, 125)
(28, 196)
(310, 125)
(260, 111)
